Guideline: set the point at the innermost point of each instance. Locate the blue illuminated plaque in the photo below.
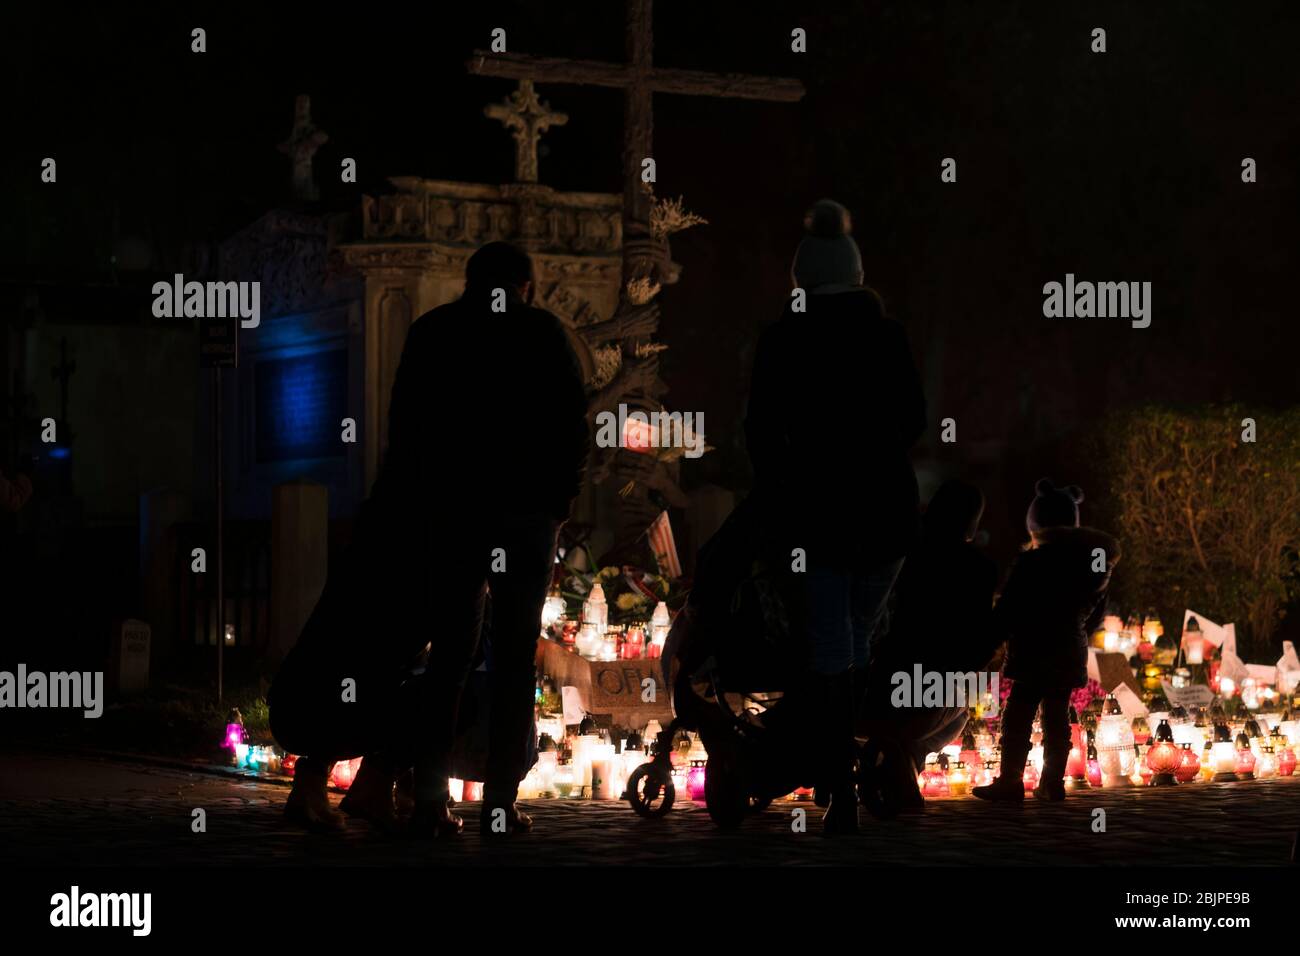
(301, 403)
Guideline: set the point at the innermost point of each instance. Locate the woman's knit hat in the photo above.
(827, 255)
(1053, 507)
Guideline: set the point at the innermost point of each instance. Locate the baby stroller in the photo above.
(730, 661)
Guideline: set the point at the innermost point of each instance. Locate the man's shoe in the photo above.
(370, 797)
(1050, 791)
(434, 820)
(1002, 790)
(498, 820)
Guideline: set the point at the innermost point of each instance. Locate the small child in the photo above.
(1054, 598)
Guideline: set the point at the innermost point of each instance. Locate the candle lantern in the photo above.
(609, 645)
(1245, 758)
(970, 754)
(570, 633)
(1094, 764)
(933, 781)
(633, 643)
(1151, 676)
(1030, 777)
(590, 641)
(1141, 772)
(1223, 754)
(1189, 765)
(1164, 757)
(1266, 763)
(235, 732)
(1076, 769)
(566, 781)
(660, 621)
(344, 772)
(1141, 730)
(1194, 642)
(1290, 727)
(288, 763)
(1115, 745)
(1207, 761)
(552, 610)
(695, 779)
(1185, 729)
(959, 779)
(1152, 631)
(1286, 761)
(595, 610)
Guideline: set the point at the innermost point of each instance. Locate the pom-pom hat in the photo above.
(827, 255)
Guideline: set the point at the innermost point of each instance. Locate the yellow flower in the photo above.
(629, 600)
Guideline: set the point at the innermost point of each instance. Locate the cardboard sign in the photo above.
(611, 689)
(1113, 670)
(1195, 695)
(219, 342)
(618, 684)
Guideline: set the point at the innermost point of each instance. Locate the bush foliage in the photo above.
(1208, 519)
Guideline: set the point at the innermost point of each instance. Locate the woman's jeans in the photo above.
(844, 609)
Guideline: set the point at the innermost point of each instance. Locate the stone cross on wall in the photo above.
(526, 117)
(301, 146)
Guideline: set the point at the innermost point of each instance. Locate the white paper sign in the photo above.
(1196, 695)
(1214, 634)
(1129, 702)
(1232, 667)
(1288, 669)
(1263, 673)
(573, 709)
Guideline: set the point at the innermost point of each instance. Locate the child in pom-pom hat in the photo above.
(1054, 598)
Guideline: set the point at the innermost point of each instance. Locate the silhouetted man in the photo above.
(487, 441)
(488, 437)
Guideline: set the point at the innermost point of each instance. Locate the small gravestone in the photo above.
(130, 661)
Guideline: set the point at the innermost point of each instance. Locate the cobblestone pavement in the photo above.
(86, 811)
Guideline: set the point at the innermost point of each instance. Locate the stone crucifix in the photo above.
(301, 146)
(526, 117)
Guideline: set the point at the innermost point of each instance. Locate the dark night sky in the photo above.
(1122, 166)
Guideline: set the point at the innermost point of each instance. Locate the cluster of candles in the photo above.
(1123, 752)
(596, 639)
(592, 765)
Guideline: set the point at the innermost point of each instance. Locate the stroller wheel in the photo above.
(650, 790)
(725, 795)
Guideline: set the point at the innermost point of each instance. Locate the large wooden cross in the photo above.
(639, 79)
(645, 257)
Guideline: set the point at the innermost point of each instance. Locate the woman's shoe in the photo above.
(1002, 790)
(370, 797)
(308, 805)
(841, 817)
